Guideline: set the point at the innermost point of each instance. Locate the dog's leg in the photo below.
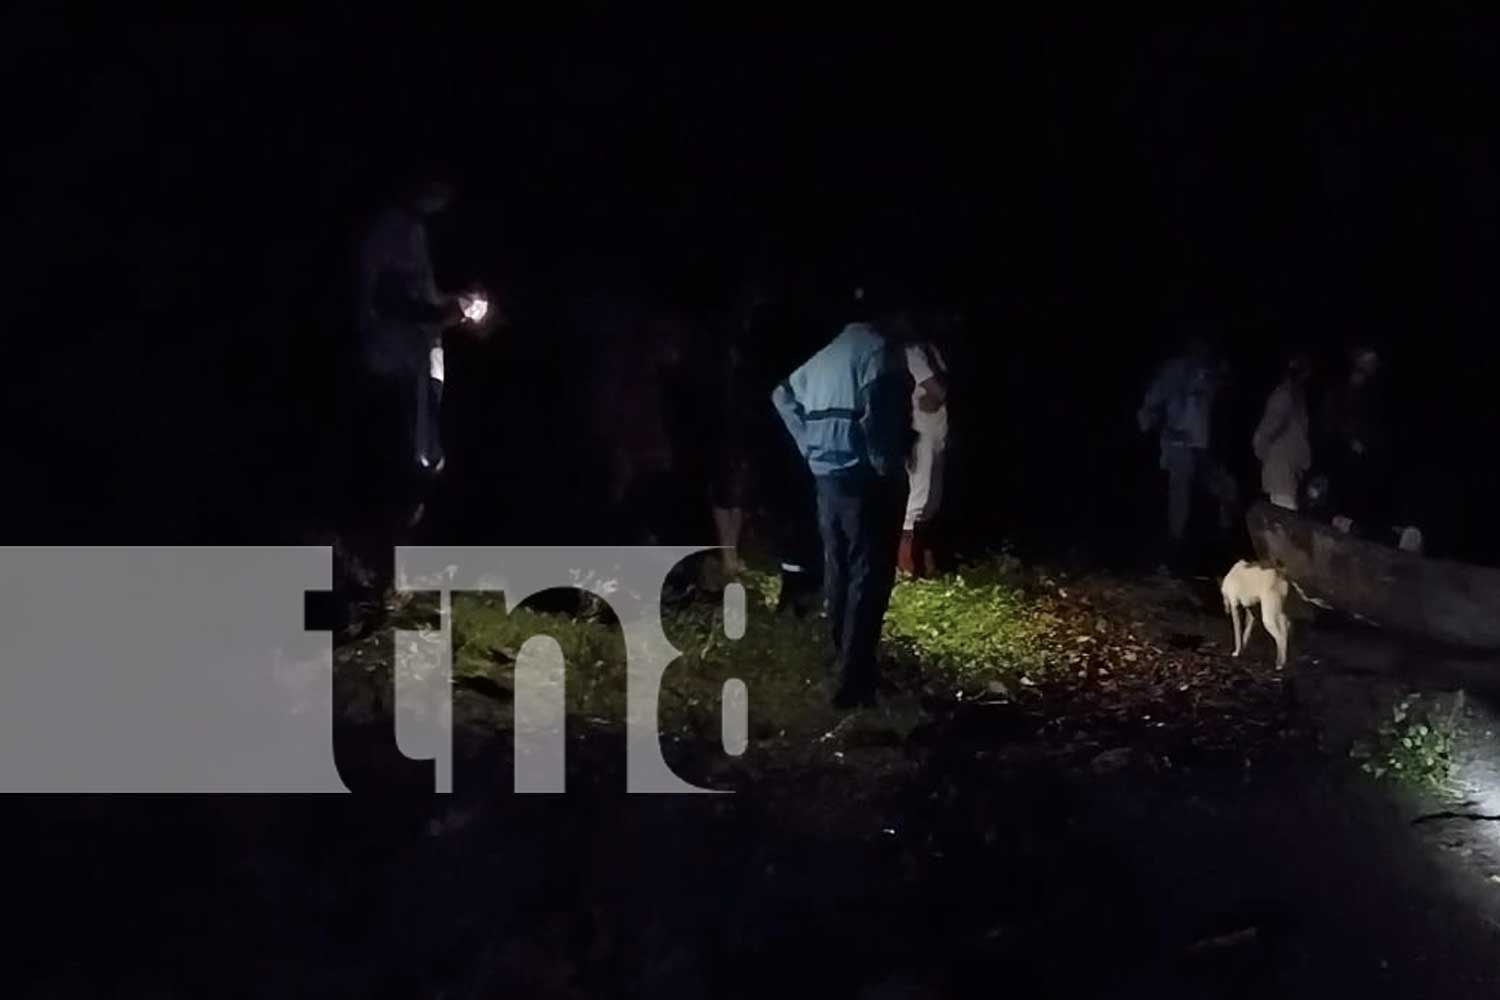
(1249, 626)
(1277, 624)
(1234, 619)
(1280, 636)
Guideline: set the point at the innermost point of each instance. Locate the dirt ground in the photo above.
(1219, 844)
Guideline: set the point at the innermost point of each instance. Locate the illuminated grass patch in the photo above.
(781, 660)
(966, 632)
(969, 629)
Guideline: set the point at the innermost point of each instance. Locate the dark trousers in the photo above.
(427, 421)
(860, 517)
(396, 422)
(792, 509)
(1191, 473)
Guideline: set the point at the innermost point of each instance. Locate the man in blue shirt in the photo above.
(848, 408)
(1179, 405)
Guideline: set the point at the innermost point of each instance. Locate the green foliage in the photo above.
(960, 632)
(779, 658)
(970, 629)
(1412, 746)
(487, 639)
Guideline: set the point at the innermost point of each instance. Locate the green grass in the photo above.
(962, 632)
(966, 631)
(971, 629)
(780, 660)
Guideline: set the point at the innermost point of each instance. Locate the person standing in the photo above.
(641, 363)
(848, 408)
(733, 468)
(1180, 405)
(1356, 444)
(762, 481)
(927, 464)
(1281, 440)
(401, 318)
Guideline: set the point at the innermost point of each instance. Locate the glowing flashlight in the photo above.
(475, 309)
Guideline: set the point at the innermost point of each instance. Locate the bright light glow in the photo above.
(476, 309)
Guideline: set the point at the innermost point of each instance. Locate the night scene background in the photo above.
(1073, 192)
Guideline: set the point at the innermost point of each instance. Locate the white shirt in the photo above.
(924, 362)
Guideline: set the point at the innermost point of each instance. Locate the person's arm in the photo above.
(886, 414)
(934, 394)
(434, 310)
(932, 383)
(791, 412)
(399, 303)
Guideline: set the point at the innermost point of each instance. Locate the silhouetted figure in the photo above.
(733, 468)
(927, 465)
(401, 317)
(643, 354)
(1356, 445)
(849, 409)
(1180, 405)
(760, 468)
(1282, 440)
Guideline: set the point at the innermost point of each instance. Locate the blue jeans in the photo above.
(394, 419)
(859, 517)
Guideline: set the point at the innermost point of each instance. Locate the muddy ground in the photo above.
(934, 848)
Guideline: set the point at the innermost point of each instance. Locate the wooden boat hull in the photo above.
(1448, 601)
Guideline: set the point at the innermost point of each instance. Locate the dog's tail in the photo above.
(1314, 601)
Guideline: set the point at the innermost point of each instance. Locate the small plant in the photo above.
(1413, 745)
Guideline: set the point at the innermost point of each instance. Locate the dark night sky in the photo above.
(1086, 186)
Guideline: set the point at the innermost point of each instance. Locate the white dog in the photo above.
(1247, 585)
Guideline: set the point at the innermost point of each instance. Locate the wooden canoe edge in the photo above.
(1452, 602)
